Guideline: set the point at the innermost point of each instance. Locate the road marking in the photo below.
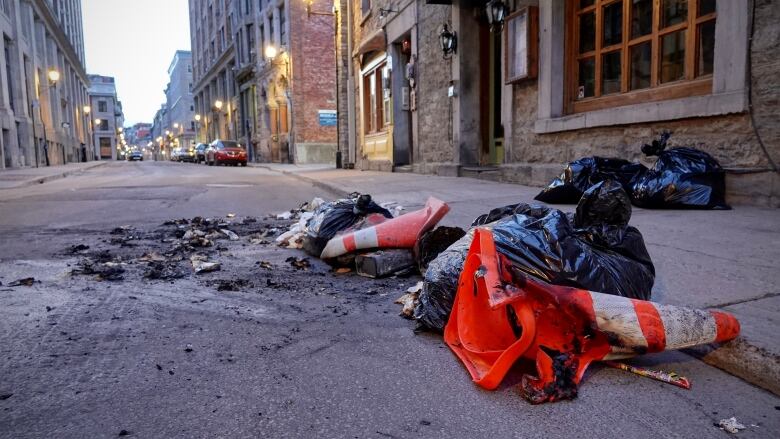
(229, 185)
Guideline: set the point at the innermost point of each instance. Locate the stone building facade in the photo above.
(264, 74)
(516, 106)
(179, 99)
(107, 117)
(43, 84)
(160, 124)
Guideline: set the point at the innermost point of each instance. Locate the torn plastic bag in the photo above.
(682, 178)
(580, 175)
(594, 249)
(433, 242)
(331, 218)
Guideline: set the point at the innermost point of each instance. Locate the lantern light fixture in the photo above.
(54, 76)
(496, 12)
(271, 52)
(448, 40)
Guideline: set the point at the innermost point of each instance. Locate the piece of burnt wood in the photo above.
(383, 263)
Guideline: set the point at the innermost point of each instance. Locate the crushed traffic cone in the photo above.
(500, 315)
(401, 232)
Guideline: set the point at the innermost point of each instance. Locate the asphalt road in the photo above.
(279, 352)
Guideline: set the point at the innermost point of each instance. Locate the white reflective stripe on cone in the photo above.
(616, 315)
(334, 247)
(685, 327)
(366, 238)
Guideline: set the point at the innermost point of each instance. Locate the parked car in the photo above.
(200, 152)
(135, 155)
(224, 152)
(186, 154)
(174, 154)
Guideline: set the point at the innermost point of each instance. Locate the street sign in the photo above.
(327, 118)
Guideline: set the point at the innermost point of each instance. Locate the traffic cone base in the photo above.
(500, 315)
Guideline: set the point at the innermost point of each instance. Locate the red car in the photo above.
(224, 152)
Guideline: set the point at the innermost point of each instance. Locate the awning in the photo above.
(372, 42)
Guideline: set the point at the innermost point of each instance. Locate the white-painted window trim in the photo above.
(729, 85)
(367, 68)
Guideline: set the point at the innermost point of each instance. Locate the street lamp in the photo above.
(197, 118)
(54, 76)
(176, 126)
(218, 104)
(87, 109)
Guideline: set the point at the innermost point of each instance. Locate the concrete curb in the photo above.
(738, 357)
(52, 177)
(743, 359)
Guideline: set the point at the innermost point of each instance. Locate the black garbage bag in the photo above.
(433, 242)
(332, 218)
(682, 178)
(594, 249)
(580, 175)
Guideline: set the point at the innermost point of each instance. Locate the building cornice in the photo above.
(43, 10)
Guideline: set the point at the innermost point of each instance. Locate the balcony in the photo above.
(245, 70)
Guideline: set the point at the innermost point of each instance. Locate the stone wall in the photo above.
(765, 56)
(434, 108)
(731, 139)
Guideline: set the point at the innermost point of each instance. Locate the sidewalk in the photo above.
(703, 259)
(16, 178)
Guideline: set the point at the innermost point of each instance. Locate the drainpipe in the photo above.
(351, 125)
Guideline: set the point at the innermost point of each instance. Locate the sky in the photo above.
(134, 41)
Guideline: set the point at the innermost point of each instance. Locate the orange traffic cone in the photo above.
(401, 232)
(500, 315)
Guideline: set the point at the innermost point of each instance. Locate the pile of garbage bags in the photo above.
(681, 178)
(353, 230)
(594, 249)
(338, 216)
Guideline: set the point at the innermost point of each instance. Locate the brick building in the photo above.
(559, 80)
(43, 84)
(264, 74)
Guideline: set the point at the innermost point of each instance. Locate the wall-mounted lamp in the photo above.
(54, 76)
(197, 118)
(384, 11)
(270, 52)
(218, 104)
(87, 109)
(496, 12)
(448, 40)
